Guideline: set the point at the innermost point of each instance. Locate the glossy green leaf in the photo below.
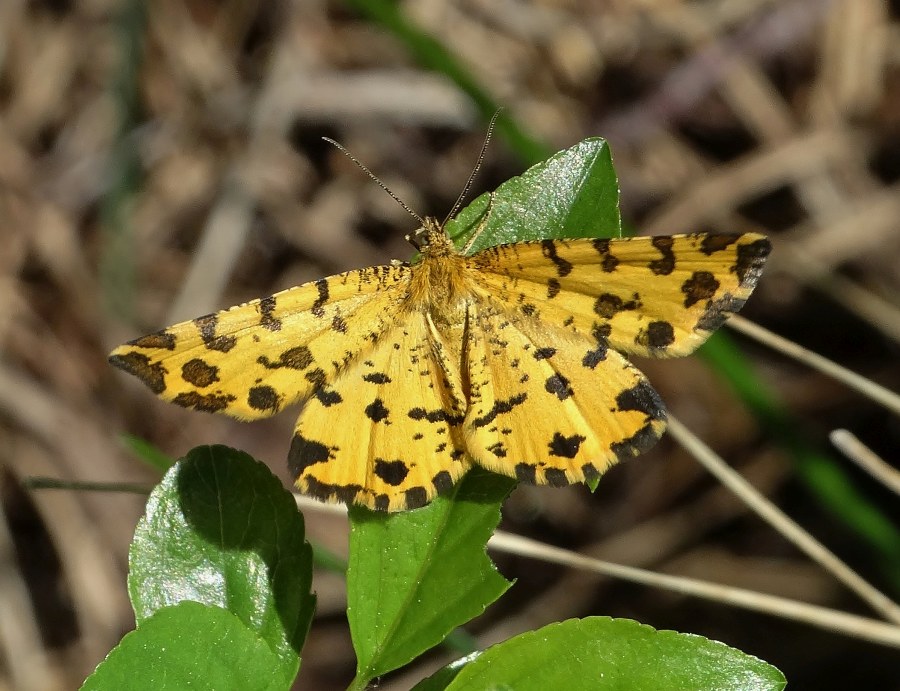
(602, 653)
(573, 194)
(189, 646)
(415, 576)
(220, 529)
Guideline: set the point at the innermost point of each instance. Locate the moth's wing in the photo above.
(386, 433)
(652, 296)
(252, 360)
(550, 407)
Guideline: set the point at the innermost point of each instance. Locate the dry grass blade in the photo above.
(770, 513)
(866, 459)
(822, 617)
(876, 310)
(866, 387)
(829, 619)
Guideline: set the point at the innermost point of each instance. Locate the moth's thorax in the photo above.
(441, 280)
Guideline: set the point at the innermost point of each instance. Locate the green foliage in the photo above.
(573, 194)
(414, 577)
(221, 573)
(603, 653)
(222, 529)
(220, 584)
(220, 558)
(190, 645)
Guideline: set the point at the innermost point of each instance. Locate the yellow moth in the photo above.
(511, 358)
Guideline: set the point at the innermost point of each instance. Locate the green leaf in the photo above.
(413, 577)
(574, 194)
(220, 529)
(191, 646)
(604, 653)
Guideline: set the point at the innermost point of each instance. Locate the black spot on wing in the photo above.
(608, 261)
(263, 397)
(641, 441)
(416, 497)
(376, 411)
(543, 353)
(208, 403)
(322, 299)
(702, 285)
(498, 408)
(601, 333)
(643, 398)
(316, 377)
(710, 244)
(595, 356)
(563, 266)
(207, 327)
(438, 415)
(750, 260)
(267, 318)
(345, 494)
(553, 288)
(305, 453)
(199, 373)
(327, 397)
(558, 385)
(666, 263)
(565, 447)
(498, 449)
(159, 340)
(608, 305)
(591, 474)
(152, 374)
(556, 477)
(526, 472)
(377, 378)
(717, 312)
(442, 482)
(298, 358)
(391, 472)
(658, 335)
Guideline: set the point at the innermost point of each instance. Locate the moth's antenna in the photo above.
(465, 191)
(376, 180)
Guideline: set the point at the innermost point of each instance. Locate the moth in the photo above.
(512, 358)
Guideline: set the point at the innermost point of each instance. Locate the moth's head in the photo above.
(431, 240)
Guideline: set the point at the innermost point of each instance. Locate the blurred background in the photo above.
(162, 160)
